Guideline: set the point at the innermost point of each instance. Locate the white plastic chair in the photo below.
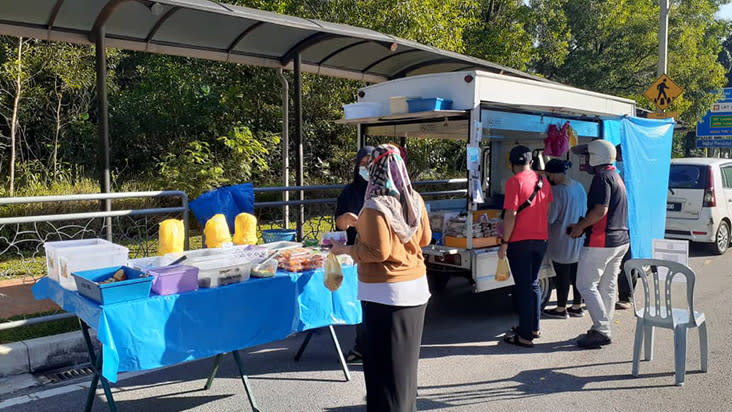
(664, 315)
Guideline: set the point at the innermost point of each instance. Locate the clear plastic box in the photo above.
(58, 248)
(221, 272)
(82, 258)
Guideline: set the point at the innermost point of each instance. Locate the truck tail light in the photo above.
(710, 199)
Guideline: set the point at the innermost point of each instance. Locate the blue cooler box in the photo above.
(428, 105)
(137, 285)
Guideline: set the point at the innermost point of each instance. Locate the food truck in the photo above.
(491, 113)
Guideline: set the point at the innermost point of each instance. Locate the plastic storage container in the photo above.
(221, 272)
(83, 258)
(283, 245)
(54, 249)
(398, 104)
(137, 285)
(170, 280)
(148, 263)
(428, 105)
(275, 235)
(362, 109)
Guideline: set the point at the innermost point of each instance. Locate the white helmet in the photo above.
(601, 152)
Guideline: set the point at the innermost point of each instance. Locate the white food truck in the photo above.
(491, 113)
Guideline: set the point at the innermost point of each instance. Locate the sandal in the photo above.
(354, 357)
(537, 335)
(518, 341)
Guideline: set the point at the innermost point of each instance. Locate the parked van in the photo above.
(700, 201)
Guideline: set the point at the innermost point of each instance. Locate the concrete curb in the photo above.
(50, 352)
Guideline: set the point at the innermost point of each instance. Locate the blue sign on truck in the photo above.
(718, 121)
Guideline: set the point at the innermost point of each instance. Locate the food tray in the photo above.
(137, 285)
(170, 280)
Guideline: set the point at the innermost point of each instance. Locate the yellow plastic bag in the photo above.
(217, 232)
(333, 273)
(171, 236)
(503, 270)
(245, 232)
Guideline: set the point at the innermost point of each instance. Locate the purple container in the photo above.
(169, 280)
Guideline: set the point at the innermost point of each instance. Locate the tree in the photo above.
(70, 78)
(613, 46)
(498, 32)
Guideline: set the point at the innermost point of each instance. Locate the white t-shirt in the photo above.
(413, 292)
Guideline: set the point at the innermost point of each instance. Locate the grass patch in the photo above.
(38, 330)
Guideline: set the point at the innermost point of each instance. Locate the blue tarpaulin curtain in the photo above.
(646, 147)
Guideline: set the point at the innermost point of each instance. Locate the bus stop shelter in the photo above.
(222, 32)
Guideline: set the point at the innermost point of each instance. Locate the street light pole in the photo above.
(663, 38)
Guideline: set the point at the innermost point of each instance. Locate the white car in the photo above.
(699, 202)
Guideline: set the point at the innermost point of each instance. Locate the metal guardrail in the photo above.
(182, 209)
(12, 243)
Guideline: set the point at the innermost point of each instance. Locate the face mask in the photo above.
(363, 171)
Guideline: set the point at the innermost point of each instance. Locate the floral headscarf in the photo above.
(390, 192)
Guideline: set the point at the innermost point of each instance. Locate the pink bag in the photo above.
(556, 142)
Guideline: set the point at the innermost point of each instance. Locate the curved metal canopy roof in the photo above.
(223, 32)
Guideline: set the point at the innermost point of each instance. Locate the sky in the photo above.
(725, 12)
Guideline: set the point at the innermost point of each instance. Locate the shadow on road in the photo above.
(526, 384)
(161, 404)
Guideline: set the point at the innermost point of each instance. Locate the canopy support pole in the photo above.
(298, 143)
(285, 146)
(103, 125)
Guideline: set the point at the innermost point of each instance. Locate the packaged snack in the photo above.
(171, 236)
(245, 229)
(328, 239)
(333, 273)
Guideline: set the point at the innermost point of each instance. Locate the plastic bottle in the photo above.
(217, 232)
(171, 236)
(245, 229)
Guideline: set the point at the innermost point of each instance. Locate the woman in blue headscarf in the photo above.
(348, 207)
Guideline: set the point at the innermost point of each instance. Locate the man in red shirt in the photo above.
(526, 207)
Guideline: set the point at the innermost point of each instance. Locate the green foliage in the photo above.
(499, 32)
(193, 124)
(202, 166)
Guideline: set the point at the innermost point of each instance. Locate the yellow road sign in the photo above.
(663, 115)
(663, 92)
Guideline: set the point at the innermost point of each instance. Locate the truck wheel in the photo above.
(721, 239)
(547, 286)
(437, 282)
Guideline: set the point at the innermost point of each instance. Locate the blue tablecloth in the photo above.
(165, 330)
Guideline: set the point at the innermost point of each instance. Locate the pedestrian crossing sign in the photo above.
(663, 92)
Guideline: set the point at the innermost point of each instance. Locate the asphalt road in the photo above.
(464, 366)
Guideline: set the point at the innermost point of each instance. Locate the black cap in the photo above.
(557, 166)
(520, 155)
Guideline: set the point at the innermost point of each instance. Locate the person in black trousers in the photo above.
(526, 204)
